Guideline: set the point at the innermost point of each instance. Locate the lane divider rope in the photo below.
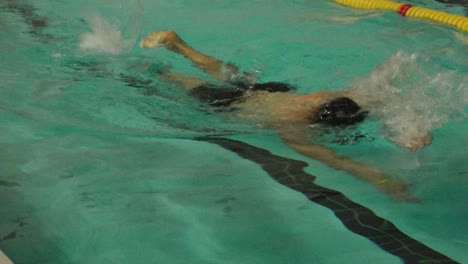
(458, 21)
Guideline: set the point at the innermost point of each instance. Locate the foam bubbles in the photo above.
(104, 38)
(411, 96)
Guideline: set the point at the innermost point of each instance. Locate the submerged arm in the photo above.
(395, 188)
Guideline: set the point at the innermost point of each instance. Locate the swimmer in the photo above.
(275, 105)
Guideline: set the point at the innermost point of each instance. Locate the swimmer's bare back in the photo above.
(267, 107)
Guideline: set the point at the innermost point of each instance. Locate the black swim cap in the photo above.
(340, 112)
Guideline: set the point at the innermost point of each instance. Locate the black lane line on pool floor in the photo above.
(355, 217)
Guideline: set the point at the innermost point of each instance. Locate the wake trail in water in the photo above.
(104, 38)
(412, 97)
(113, 38)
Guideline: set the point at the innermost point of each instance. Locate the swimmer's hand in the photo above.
(419, 143)
(397, 189)
(160, 38)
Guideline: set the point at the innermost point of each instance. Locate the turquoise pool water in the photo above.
(104, 163)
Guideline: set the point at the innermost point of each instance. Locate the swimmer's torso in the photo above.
(274, 107)
(269, 103)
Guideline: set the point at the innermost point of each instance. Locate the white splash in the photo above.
(104, 38)
(411, 97)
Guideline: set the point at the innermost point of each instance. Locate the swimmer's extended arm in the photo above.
(395, 188)
(173, 42)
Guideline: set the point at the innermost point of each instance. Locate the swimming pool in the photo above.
(104, 163)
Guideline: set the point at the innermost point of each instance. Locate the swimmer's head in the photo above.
(339, 112)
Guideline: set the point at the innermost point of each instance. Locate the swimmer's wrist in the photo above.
(229, 71)
(382, 181)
